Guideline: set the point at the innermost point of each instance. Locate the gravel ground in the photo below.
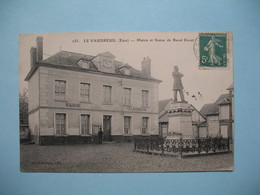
(112, 157)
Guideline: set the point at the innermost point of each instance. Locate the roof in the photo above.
(209, 109)
(164, 118)
(68, 60)
(213, 108)
(163, 103)
(231, 87)
(221, 97)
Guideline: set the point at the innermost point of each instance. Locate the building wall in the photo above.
(213, 125)
(202, 131)
(33, 92)
(224, 112)
(34, 125)
(197, 117)
(48, 76)
(96, 118)
(96, 108)
(224, 131)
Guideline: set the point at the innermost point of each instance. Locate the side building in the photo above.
(220, 117)
(73, 95)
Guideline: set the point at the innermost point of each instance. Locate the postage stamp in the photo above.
(213, 50)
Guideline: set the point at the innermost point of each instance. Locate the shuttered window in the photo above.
(60, 90)
(85, 124)
(84, 92)
(127, 96)
(127, 124)
(145, 94)
(107, 94)
(60, 121)
(144, 125)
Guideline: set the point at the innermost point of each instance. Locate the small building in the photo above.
(219, 115)
(73, 95)
(198, 120)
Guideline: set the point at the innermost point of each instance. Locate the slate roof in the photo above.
(164, 118)
(68, 59)
(209, 109)
(213, 108)
(163, 103)
(65, 58)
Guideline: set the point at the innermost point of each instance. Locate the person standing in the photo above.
(100, 136)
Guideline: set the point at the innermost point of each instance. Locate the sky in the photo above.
(164, 56)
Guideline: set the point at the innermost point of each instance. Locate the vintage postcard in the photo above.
(126, 102)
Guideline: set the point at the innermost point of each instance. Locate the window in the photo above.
(85, 124)
(83, 64)
(60, 122)
(127, 96)
(84, 92)
(107, 94)
(60, 90)
(224, 131)
(126, 71)
(144, 125)
(127, 124)
(145, 97)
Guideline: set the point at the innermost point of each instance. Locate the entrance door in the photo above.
(107, 127)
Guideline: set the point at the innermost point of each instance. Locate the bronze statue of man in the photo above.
(177, 84)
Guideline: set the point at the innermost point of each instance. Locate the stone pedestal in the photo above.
(180, 120)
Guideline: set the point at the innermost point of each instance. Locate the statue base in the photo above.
(180, 120)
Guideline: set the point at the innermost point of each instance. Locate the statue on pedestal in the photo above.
(177, 85)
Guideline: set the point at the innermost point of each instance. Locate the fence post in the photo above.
(162, 143)
(181, 146)
(228, 144)
(147, 145)
(199, 146)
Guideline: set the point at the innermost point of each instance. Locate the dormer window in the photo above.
(126, 71)
(83, 64)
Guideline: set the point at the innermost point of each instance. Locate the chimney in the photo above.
(39, 46)
(146, 67)
(33, 56)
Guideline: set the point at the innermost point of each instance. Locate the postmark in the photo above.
(213, 51)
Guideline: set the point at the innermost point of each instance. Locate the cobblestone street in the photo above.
(112, 157)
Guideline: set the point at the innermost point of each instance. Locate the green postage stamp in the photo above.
(213, 50)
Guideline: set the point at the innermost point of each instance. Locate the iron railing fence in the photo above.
(182, 146)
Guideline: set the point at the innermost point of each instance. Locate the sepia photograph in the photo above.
(109, 102)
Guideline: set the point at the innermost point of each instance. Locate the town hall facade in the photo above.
(73, 95)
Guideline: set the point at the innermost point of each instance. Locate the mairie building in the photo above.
(73, 95)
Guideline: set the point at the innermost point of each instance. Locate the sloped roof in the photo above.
(213, 108)
(164, 118)
(209, 109)
(224, 101)
(163, 103)
(221, 97)
(65, 58)
(231, 87)
(70, 59)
